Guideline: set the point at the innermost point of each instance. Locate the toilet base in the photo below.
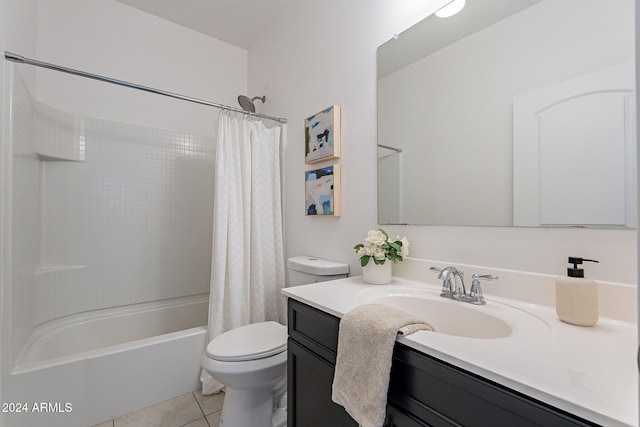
(279, 418)
(254, 408)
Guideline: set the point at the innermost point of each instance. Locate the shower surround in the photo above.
(101, 215)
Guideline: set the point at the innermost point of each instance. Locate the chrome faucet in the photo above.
(456, 290)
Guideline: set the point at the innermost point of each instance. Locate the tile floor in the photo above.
(189, 410)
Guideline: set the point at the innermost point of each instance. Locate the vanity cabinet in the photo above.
(424, 391)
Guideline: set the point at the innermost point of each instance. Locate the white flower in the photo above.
(361, 251)
(369, 248)
(376, 237)
(404, 252)
(379, 253)
(405, 247)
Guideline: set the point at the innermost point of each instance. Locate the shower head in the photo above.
(247, 104)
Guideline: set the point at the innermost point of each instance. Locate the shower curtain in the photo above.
(247, 267)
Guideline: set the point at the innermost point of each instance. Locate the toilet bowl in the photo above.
(251, 362)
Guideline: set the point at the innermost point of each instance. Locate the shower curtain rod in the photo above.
(23, 60)
(388, 147)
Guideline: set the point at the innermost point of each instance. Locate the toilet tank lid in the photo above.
(317, 266)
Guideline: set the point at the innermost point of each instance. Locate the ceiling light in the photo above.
(450, 9)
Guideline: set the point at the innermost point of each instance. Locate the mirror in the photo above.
(510, 113)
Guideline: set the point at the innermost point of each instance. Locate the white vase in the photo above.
(375, 274)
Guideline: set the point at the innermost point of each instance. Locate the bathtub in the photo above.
(91, 367)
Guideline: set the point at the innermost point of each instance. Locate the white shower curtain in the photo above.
(247, 266)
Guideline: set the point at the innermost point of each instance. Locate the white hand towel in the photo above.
(366, 338)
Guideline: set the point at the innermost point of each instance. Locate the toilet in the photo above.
(251, 360)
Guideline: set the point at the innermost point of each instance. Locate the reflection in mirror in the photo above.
(512, 112)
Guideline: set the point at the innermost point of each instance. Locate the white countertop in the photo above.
(587, 371)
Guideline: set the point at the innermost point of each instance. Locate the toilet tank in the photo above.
(305, 269)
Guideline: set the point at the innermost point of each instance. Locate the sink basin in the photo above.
(494, 320)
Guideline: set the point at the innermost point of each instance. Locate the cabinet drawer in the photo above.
(315, 329)
(426, 386)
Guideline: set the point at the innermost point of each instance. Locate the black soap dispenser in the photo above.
(577, 296)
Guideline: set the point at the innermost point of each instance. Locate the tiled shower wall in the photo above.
(113, 214)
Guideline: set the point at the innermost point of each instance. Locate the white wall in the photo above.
(18, 28)
(322, 53)
(109, 38)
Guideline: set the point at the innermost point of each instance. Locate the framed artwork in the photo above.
(322, 191)
(322, 135)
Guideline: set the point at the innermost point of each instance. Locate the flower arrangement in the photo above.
(378, 247)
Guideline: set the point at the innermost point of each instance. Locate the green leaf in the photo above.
(364, 260)
(358, 247)
(384, 232)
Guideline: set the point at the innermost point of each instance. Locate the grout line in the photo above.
(203, 418)
(199, 405)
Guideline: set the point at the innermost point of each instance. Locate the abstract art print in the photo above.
(322, 135)
(322, 191)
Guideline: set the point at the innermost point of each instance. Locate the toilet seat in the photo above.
(249, 342)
